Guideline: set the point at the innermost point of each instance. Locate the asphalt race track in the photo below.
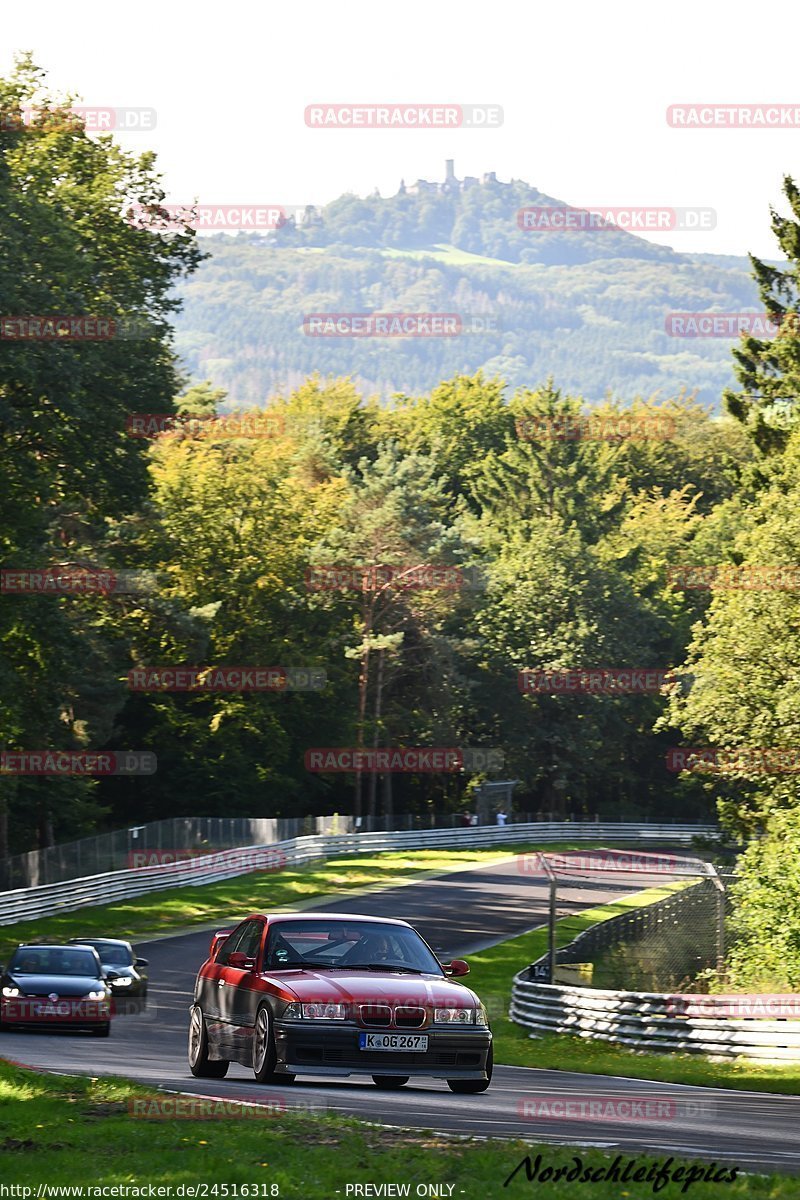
(459, 913)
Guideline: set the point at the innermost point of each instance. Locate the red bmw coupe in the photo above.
(329, 994)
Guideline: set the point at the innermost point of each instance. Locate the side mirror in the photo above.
(240, 962)
(457, 968)
(142, 962)
(112, 975)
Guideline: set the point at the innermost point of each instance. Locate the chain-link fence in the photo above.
(665, 942)
(141, 845)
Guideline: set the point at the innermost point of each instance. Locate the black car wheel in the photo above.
(199, 1063)
(469, 1087)
(390, 1082)
(264, 1054)
(102, 1030)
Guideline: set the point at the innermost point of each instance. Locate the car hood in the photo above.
(373, 987)
(60, 985)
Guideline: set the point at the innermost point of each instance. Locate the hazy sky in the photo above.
(584, 88)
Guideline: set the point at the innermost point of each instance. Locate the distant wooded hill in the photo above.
(585, 306)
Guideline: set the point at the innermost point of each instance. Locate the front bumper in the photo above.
(317, 1048)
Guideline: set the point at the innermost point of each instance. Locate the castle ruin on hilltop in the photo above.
(449, 184)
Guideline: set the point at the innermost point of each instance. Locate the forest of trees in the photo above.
(576, 540)
(597, 326)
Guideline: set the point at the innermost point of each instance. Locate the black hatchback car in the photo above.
(45, 986)
(118, 956)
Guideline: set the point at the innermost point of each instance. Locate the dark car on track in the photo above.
(330, 994)
(50, 986)
(118, 956)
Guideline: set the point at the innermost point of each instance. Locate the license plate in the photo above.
(393, 1041)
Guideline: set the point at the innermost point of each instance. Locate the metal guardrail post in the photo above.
(551, 923)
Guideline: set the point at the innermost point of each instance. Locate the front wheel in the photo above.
(390, 1082)
(200, 1064)
(468, 1087)
(264, 1054)
(102, 1030)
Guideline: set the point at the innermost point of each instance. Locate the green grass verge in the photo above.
(230, 900)
(67, 1131)
(493, 970)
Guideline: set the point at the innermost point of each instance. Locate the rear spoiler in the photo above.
(217, 940)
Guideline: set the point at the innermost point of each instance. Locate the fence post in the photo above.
(720, 886)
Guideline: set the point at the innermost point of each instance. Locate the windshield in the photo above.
(35, 960)
(336, 944)
(116, 956)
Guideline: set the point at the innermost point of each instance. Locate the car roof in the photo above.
(314, 915)
(51, 946)
(97, 941)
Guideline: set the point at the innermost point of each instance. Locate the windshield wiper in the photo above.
(328, 966)
(391, 967)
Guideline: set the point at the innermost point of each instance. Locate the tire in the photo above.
(469, 1087)
(199, 1063)
(264, 1055)
(102, 1030)
(390, 1083)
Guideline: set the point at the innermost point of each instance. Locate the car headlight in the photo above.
(8, 992)
(324, 1012)
(123, 981)
(291, 1013)
(482, 1017)
(95, 996)
(454, 1016)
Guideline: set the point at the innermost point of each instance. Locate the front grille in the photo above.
(409, 1018)
(376, 1015)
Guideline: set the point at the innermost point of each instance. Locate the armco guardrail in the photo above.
(647, 1021)
(26, 904)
